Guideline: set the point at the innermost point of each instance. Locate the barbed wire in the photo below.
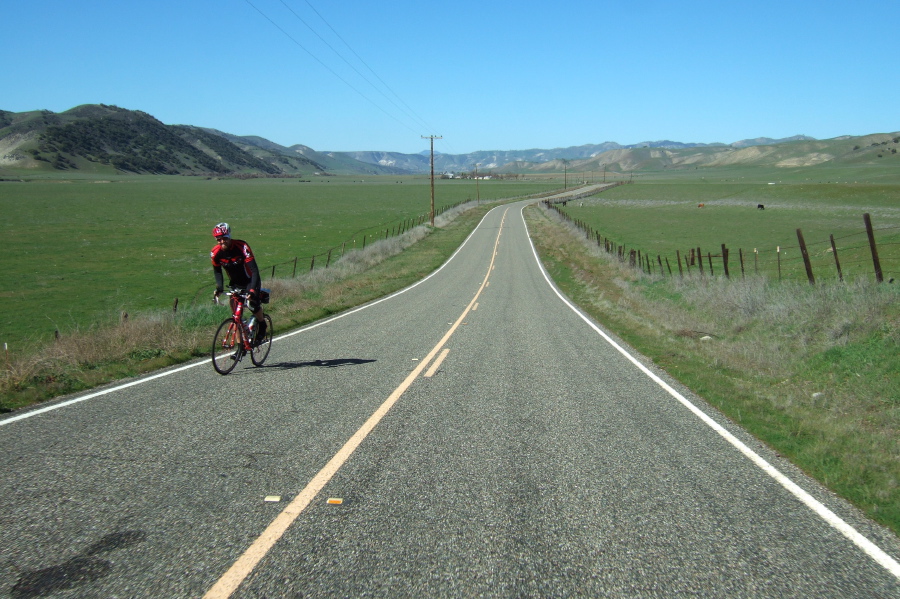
(789, 260)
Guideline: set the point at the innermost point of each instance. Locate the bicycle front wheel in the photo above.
(228, 347)
(262, 346)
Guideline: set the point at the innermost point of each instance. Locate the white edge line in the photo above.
(97, 394)
(158, 375)
(870, 548)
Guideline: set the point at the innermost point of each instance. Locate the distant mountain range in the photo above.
(498, 160)
(108, 139)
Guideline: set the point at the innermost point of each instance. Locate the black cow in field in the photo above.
(760, 207)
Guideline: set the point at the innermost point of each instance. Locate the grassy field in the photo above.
(83, 250)
(660, 218)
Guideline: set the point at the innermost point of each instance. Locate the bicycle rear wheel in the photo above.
(228, 347)
(261, 349)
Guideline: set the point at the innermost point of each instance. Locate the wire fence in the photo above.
(299, 265)
(324, 259)
(853, 255)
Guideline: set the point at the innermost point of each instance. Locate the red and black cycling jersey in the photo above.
(238, 262)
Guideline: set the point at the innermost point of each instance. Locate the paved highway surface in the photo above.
(473, 435)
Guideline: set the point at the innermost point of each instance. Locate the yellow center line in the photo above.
(245, 564)
(437, 363)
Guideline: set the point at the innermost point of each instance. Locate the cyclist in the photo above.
(236, 257)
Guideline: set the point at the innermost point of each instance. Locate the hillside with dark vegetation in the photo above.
(101, 138)
(136, 142)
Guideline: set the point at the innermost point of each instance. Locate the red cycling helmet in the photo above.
(222, 230)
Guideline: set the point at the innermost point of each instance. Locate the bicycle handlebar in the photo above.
(244, 295)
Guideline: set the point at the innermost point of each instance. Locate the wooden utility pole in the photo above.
(432, 138)
(477, 192)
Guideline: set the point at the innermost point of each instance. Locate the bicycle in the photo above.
(235, 337)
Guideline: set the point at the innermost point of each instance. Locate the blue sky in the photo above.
(484, 75)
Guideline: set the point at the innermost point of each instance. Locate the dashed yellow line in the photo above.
(437, 364)
(245, 564)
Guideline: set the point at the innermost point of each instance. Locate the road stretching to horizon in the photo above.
(472, 435)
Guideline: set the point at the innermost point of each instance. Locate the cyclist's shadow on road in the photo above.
(335, 363)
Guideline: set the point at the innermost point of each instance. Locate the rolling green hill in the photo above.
(879, 149)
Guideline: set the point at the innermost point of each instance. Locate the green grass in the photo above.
(83, 251)
(663, 218)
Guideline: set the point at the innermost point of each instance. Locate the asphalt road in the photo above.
(473, 435)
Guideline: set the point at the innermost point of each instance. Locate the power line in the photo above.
(371, 70)
(412, 116)
(329, 69)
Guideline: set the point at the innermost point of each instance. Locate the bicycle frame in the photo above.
(235, 337)
(238, 301)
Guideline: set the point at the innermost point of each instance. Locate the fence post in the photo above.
(312, 263)
(294, 274)
(805, 254)
(328, 261)
(725, 261)
(700, 260)
(778, 253)
(709, 258)
(878, 274)
(678, 255)
(273, 270)
(175, 306)
(836, 261)
(741, 256)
